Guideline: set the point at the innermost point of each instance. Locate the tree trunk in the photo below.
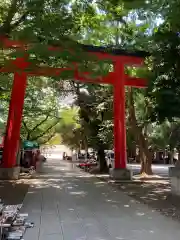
(28, 136)
(85, 143)
(6, 27)
(171, 156)
(141, 158)
(145, 154)
(102, 161)
(146, 168)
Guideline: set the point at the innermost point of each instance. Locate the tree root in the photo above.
(147, 176)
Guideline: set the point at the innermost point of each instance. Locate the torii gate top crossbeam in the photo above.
(127, 58)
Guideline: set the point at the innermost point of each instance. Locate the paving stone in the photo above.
(67, 204)
(32, 233)
(51, 237)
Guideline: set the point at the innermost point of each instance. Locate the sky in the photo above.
(67, 101)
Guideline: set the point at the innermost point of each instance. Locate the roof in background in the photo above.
(114, 51)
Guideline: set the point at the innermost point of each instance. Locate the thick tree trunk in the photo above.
(171, 155)
(142, 158)
(6, 26)
(145, 154)
(146, 168)
(102, 161)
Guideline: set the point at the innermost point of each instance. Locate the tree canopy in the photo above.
(152, 115)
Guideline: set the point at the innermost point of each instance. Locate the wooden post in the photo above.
(119, 117)
(12, 137)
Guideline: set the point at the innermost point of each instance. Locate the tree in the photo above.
(46, 23)
(116, 28)
(92, 114)
(139, 124)
(41, 23)
(41, 110)
(165, 79)
(41, 113)
(69, 128)
(166, 137)
(136, 24)
(125, 35)
(34, 18)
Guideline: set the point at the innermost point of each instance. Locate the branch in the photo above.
(39, 124)
(25, 126)
(20, 20)
(27, 130)
(43, 133)
(6, 27)
(48, 139)
(58, 118)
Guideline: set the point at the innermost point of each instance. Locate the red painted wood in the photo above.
(116, 78)
(8, 43)
(119, 117)
(127, 60)
(13, 127)
(84, 77)
(135, 82)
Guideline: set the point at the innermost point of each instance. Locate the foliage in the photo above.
(43, 23)
(41, 108)
(116, 27)
(69, 128)
(137, 24)
(165, 79)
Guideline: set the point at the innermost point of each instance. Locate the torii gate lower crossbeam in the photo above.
(118, 79)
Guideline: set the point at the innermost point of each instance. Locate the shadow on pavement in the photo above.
(13, 192)
(82, 203)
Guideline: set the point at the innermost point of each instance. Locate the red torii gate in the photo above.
(117, 78)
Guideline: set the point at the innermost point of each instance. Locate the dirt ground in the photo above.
(156, 194)
(13, 192)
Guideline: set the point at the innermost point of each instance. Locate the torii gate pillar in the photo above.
(119, 171)
(9, 169)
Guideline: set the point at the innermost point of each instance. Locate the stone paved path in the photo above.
(67, 204)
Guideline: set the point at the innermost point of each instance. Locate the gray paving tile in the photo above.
(95, 230)
(35, 218)
(73, 231)
(32, 233)
(51, 237)
(50, 225)
(68, 204)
